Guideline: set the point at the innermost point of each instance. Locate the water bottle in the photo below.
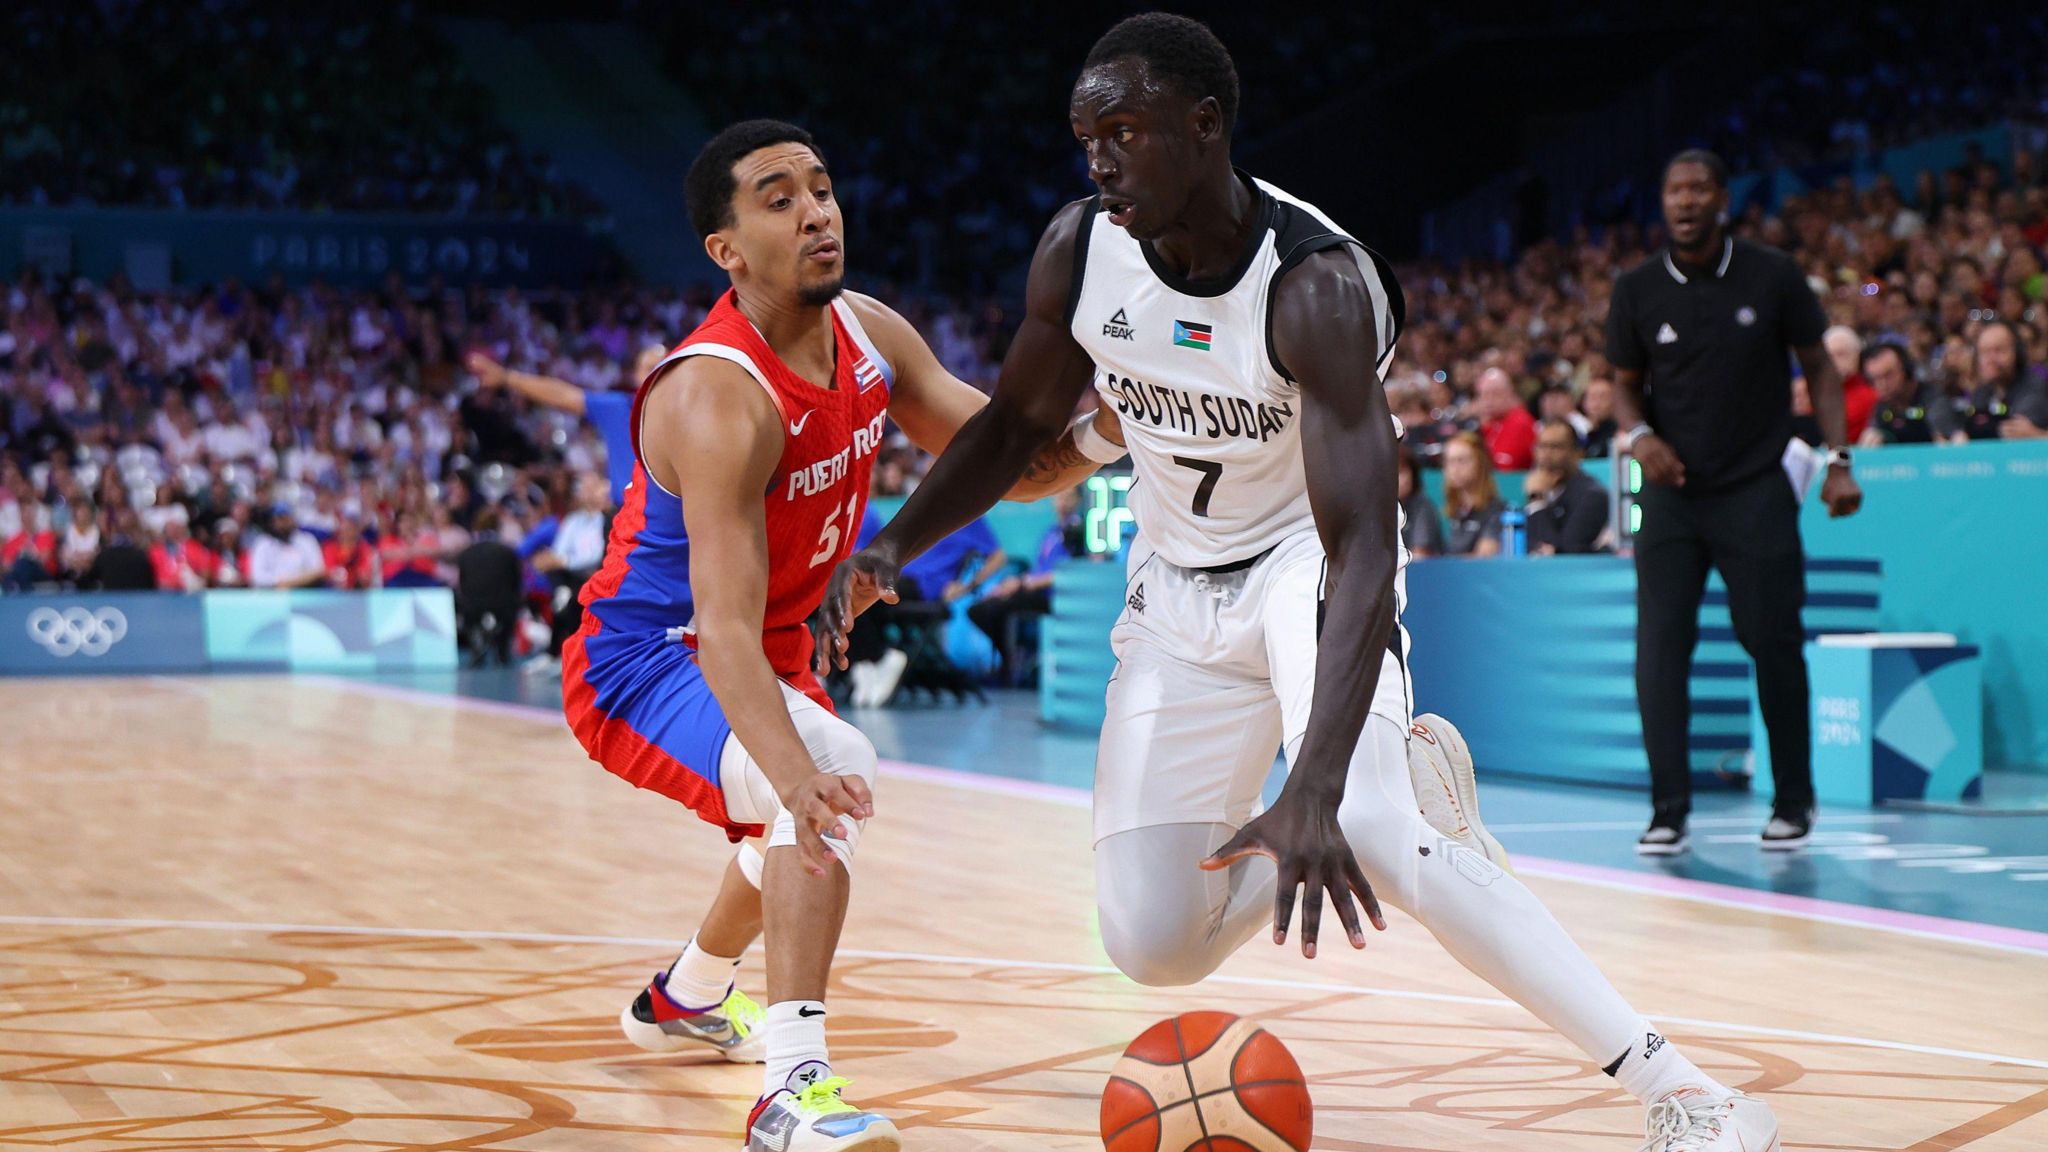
(1514, 533)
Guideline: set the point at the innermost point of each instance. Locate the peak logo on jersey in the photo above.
(1118, 328)
(1188, 334)
(1667, 335)
(1137, 601)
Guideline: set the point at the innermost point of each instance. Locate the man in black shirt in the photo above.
(1901, 416)
(2007, 401)
(1567, 508)
(1698, 337)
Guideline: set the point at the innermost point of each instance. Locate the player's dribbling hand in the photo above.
(861, 579)
(1303, 838)
(818, 803)
(1660, 462)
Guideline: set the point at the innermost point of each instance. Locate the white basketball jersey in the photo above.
(1212, 419)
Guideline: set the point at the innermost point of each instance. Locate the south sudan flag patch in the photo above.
(1188, 334)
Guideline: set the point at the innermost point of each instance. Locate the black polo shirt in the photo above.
(1713, 346)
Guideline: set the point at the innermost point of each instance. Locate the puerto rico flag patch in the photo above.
(866, 373)
(1188, 334)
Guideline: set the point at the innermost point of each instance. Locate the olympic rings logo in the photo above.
(77, 631)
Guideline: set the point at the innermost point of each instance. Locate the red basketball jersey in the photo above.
(814, 504)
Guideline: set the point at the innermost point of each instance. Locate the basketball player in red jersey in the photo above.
(753, 441)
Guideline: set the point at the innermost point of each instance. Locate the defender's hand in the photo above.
(861, 579)
(818, 802)
(1660, 462)
(1303, 838)
(1841, 493)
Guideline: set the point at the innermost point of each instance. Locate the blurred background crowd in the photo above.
(273, 434)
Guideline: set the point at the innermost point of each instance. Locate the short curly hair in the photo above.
(1717, 168)
(1179, 50)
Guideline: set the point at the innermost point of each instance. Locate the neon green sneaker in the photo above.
(656, 1023)
(816, 1119)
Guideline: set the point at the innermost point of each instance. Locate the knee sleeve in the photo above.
(751, 863)
(836, 747)
(1164, 921)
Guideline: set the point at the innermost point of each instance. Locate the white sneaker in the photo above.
(888, 674)
(862, 675)
(817, 1120)
(1696, 1120)
(1440, 770)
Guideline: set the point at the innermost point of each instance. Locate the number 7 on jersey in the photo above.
(1211, 472)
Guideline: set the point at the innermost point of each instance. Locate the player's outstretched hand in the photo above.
(818, 803)
(1304, 839)
(488, 372)
(861, 579)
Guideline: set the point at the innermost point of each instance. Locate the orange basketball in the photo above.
(1206, 1082)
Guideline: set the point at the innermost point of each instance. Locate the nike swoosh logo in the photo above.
(796, 427)
(806, 1013)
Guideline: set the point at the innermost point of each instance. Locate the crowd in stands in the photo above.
(956, 184)
(272, 437)
(265, 436)
(1936, 294)
(249, 105)
(1876, 76)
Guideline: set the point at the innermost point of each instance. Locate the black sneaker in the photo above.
(1663, 840)
(1786, 833)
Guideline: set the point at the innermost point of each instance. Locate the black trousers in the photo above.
(568, 617)
(1750, 533)
(992, 614)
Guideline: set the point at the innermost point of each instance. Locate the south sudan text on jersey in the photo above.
(1196, 413)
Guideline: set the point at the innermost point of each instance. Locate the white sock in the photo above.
(1654, 1068)
(700, 980)
(796, 1045)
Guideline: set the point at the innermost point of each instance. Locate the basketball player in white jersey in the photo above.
(1241, 337)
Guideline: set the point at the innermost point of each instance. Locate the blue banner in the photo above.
(160, 246)
(106, 632)
(309, 630)
(1964, 536)
(314, 630)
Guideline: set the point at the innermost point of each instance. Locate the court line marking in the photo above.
(1701, 822)
(1994, 937)
(994, 962)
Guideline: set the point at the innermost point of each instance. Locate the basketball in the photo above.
(1206, 1082)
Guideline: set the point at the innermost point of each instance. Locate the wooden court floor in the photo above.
(300, 914)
